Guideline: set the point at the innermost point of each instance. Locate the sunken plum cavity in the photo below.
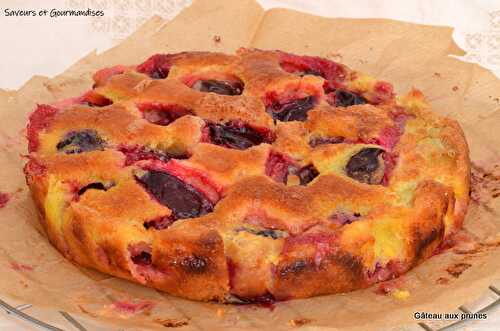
(292, 110)
(192, 195)
(218, 87)
(183, 199)
(236, 135)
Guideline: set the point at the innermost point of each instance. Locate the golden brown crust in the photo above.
(289, 220)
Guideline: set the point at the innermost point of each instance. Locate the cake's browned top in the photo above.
(256, 175)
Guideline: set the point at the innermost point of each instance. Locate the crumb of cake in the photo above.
(437, 74)
(400, 294)
(442, 281)
(455, 88)
(299, 322)
(217, 39)
(170, 322)
(394, 288)
(220, 312)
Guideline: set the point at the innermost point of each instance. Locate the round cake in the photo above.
(250, 177)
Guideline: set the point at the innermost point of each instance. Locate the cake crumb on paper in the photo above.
(393, 288)
(400, 294)
(217, 39)
(457, 269)
(170, 322)
(442, 281)
(220, 312)
(299, 322)
(455, 88)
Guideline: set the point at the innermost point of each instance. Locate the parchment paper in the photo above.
(405, 54)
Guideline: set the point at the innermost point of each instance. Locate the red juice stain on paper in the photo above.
(485, 183)
(132, 307)
(21, 267)
(4, 199)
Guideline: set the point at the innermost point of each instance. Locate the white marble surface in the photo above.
(46, 46)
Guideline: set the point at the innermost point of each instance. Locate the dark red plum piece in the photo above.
(343, 218)
(93, 99)
(159, 73)
(266, 300)
(294, 110)
(143, 258)
(268, 233)
(332, 72)
(294, 268)
(367, 166)
(159, 223)
(218, 87)
(162, 114)
(134, 154)
(236, 135)
(93, 186)
(307, 174)
(81, 141)
(157, 66)
(326, 140)
(140, 253)
(181, 198)
(311, 72)
(345, 98)
(278, 166)
(194, 264)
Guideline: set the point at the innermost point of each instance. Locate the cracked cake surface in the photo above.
(250, 177)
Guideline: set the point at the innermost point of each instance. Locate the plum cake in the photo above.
(246, 177)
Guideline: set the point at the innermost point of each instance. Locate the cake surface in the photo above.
(243, 178)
